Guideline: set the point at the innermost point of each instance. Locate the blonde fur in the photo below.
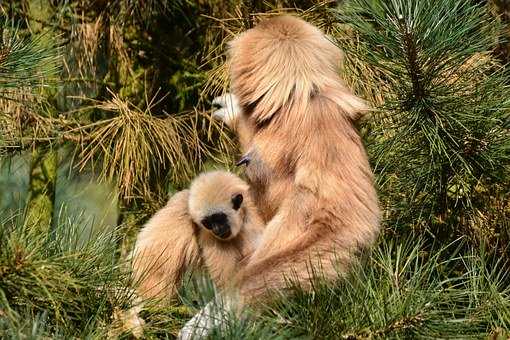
(164, 248)
(174, 240)
(210, 193)
(308, 169)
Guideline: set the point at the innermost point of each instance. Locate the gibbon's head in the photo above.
(216, 203)
(281, 64)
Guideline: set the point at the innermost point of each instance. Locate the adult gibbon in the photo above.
(214, 224)
(305, 161)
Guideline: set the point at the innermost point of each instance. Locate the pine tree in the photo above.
(44, 162)
(437, 135)
(28, 64)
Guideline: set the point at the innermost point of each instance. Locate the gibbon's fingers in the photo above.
(130, 321)
(229, 108)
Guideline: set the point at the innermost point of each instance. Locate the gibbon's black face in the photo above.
(220, 224)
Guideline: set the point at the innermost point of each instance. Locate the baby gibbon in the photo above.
(214, 224)
(305, 161)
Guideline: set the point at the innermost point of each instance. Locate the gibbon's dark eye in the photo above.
(207, 225)
(237, 200)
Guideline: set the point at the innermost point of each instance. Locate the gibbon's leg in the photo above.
(298, 236)
(298, 262)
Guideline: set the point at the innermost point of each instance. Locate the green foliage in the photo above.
(28, 64)
(25, 61)
(438, 136)
(63, 278)
(63, 285)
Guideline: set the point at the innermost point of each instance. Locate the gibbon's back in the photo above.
(285, 73)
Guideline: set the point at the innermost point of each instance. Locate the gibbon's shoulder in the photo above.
(174, 215)
(178, 197)
(177, 204)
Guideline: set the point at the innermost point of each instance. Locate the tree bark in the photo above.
(502, 9)
(44, 163)
(41, 188)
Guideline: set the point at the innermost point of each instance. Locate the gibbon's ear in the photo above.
(237, 200)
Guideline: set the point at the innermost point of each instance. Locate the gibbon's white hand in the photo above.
(229, 108)
(215, 314)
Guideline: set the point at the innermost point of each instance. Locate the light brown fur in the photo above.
(309, 172)
(174, 240)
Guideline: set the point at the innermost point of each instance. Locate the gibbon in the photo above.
(214, 225)
(307, 168)
(306, 163)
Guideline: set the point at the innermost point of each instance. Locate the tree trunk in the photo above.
(41, 188)
(44, 164)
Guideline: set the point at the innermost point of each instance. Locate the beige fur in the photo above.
(174, 240)
(309, 172)
(212, 192)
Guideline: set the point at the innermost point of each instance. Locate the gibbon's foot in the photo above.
(229, 108)
(129, 321)
(134, 322)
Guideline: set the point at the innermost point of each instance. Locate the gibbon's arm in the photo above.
(165, 248)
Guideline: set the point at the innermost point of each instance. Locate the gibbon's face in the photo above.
(216, 203)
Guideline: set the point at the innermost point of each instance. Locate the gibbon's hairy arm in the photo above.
(164, 249)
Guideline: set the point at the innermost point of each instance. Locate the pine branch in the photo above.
(414, 69)
(443, 104)
(28, 61)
